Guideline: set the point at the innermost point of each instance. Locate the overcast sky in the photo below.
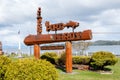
(97, 15)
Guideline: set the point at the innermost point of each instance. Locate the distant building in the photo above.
(1, 49)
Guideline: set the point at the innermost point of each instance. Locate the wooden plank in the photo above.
(52, 47)
(61, 37)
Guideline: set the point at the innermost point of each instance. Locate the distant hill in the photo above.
(101, 42)
(105, 42)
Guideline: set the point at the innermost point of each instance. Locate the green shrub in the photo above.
(80, 60)
(31, 69)
(62, 59)
(4, 61)
(101, 59)
(50, 56)
(85, 59)
(76, 60)
(56, 59)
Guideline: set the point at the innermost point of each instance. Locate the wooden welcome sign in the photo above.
(40, 38)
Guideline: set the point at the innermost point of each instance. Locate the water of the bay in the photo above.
(111, 48)
(115, 49)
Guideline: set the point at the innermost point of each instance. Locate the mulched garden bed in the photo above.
(87, 67)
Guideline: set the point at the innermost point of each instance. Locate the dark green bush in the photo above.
(80, 60)
(4, 61)
(31, 69)
(101, 59)
(62, 59)
(50, 56)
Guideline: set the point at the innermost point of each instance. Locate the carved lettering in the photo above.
(68, 36)
(60, 26)
(64, 36)
(78, 35)
(72, 36)
(58, 36)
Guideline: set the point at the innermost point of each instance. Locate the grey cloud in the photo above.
(108, 17)
(90, 14)
(57, 11)
(18, 12)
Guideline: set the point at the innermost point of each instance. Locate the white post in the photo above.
(19, 45)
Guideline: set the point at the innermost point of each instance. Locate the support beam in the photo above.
(36, 51)
(68, 57)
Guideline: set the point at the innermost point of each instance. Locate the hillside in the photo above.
(105, 42)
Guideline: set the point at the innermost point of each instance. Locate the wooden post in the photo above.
(36, 51)
(68, 57)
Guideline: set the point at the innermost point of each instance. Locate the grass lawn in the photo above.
(89, 75)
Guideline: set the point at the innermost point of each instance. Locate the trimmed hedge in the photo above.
(50, 56)
(54, 59)
(101, 59)
(75, 59)
(80, 60)
(31, 69)
(4, 61)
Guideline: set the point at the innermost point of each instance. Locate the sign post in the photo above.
(36, 51)
(68, 57)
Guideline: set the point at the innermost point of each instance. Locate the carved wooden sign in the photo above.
(52, 47)
(67, 37)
